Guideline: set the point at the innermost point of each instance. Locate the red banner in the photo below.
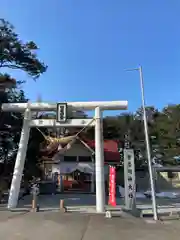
(112, 186)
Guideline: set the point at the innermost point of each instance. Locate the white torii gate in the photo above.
(62, 121)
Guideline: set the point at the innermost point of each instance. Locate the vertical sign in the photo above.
(61, 112)
(112, 186)
(129, 178)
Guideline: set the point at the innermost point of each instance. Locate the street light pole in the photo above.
(147, 143)
(148, 146)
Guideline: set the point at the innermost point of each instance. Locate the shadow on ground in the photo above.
(55, 225)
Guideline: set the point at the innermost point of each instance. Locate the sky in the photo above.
(89, 44)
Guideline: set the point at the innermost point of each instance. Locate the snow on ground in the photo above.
(142, 195)
(165, 194)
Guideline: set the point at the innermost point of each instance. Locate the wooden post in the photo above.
(35, 206)
(62, 205)
(34, 203)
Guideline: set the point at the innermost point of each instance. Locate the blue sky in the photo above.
(87, 45)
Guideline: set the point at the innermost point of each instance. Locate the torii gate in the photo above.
(61, 121)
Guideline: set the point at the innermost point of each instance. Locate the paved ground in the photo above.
(53, 224)
(53, 200)
(56, 225)
(84, 200)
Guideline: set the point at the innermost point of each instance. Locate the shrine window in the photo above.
(85, 159)
(70, 158)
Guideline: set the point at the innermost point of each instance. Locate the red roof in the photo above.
(111, 153)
